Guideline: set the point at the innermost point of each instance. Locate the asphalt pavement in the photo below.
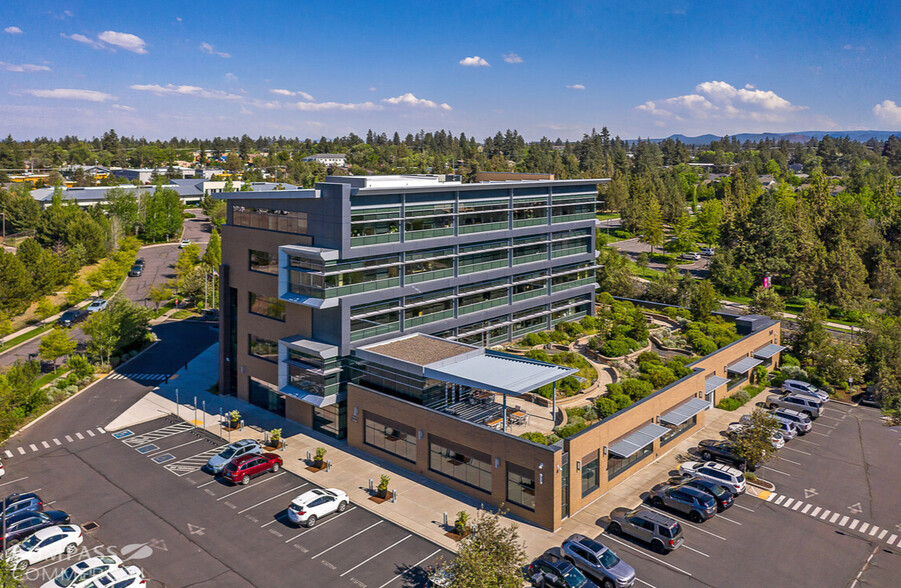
(632, 247)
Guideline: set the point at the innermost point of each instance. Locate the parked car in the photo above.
(729, 478)
(805, 404)
(24, 523)
(722, 496)
(707, 251)
(96, 305)
(136, 271)
(235, 450)
(21, 502)
(123, 577)
(70, 317)
(140, 261)
(551, 570)
(311, 506)
(804, 388)
(786, 428)
(661, 532)
(82, 573)
(712, 449)
(801, 421)
(598, 562)
(2, 471)
(44, 544)
(697, 505)
(869, 398)
(691, 255)
(777, 440)
(241, 469)
(184, 243)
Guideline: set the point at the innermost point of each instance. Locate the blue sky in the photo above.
(556, 69)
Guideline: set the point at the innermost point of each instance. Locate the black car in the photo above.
(140, 261)
(70, 317)
(723, 497)
(869, 398)
(136, 270)
(24, 523)
(15, 503)
(551, 570)
(722, 451)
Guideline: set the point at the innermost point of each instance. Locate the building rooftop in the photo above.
(420, 349)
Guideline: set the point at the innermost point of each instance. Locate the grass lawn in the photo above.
(29, 335)
(607, 215)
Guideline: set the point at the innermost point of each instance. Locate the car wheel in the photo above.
(615, 529)
(658, 546)
(694, 516)
(342, 506)
(245, 480)
(706, 455)
(311, 521)
(608, 583)
(657, 501)
(71, 548)
(808, 414)
(275, 467)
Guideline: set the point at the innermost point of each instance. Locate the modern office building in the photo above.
(365, 309)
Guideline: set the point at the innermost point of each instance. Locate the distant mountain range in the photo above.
(798, 137)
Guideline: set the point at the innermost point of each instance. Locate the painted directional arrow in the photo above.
(808, 492)
(195, 530)
(856, 508)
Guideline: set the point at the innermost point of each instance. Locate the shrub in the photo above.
(793, 372)
(777, 379)
(636, 389)
(704, 346)
(605, 407)
(659, 376)
(788, 359)
(80, 365)
(742, 396)
(621, 400)
(552, 438)
(535, 437)
(729, 403)
(760, 373)
(570, 429)
(648, 357)
(677, 365)
(575, 421)
(621, 234)
(615, 348)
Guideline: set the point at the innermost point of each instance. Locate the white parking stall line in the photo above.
(790, 461)
(268, 499)
(797, 450)
(692, 526)
(826, 416)
(182, 445)
(777, 471)
(57, 441)
(891, 539)
(367, 560)
(213, 481)
(797, 505)
(827, 426)
(788, 502)
(275, 520)
(14, 481)
(69, 439)
(320, 525)
(743, 507)
(433, 554)
(821, 434)
(695, 550)
(91, 433)
(80, 436)
(835, 410)
(780, 499)
(816, 511)
(645, 554)
(853, 524)
(21, 450)
(864, 527)
(806, 508)
(324, 551)
(45, 444)
(825, 514)
(254, 486)
(806, 441)
(33, 447)
(157, 434)
(645, 583)
(9, 453)
(719, 516)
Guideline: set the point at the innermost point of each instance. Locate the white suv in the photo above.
(729, 478)
(310, 506)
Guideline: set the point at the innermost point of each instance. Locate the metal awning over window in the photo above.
(743, 366)
(714, 382)
(630, 444)
(684, 411)
(768, 351)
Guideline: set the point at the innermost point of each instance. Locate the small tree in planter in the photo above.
(383, 487)
(461, 525)
(234, 417)
(320, 455)
(275, 437)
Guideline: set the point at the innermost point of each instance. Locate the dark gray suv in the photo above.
(696, 504)
(598, 562)
(659, 531)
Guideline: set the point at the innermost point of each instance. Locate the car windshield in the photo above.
(574, 577)
(67, 577)
(231, 467)
(718, 490)
(29, 543)
(228, 453)
(608, 559)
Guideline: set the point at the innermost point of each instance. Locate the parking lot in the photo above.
(145, 490)
(833, 520)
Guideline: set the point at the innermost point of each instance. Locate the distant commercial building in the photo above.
(483, 176)
(328, 159)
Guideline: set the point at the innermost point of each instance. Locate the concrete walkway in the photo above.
(421, 503)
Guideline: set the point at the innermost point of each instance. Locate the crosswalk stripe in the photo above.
(797, 504)
(825, 514)
(9, 453)
(45, 444)
(873, 530)
(33, 447)
(91, 433)
(69, 439)
(57, 441)
(80, 436)
(788, 502)
(21, 451)
(892, 539)
(864, 527)
(841, 523)
(806, 508)
(101, 430)
(816, 511)
(780, 499)
(853, 524)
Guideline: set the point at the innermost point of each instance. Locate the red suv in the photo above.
(242, 469)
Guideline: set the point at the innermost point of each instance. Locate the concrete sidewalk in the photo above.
(421, 503)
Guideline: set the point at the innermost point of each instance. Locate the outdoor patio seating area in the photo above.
(479, 406)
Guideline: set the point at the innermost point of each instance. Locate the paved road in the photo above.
(632, 247)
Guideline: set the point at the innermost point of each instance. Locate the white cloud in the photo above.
(298, 93)
(123, 107)
(22, 67)
(576, 86)
(178, 19)
(722, 101)
(512, 58)
(888, 112)
(342, 106)
(70, 94)
(193, 91)
(125, 41)
(208, 49)
(13, 30)
(474, 61)
(409, 99)
(82, 39)
(372, 88)
(230, 78)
